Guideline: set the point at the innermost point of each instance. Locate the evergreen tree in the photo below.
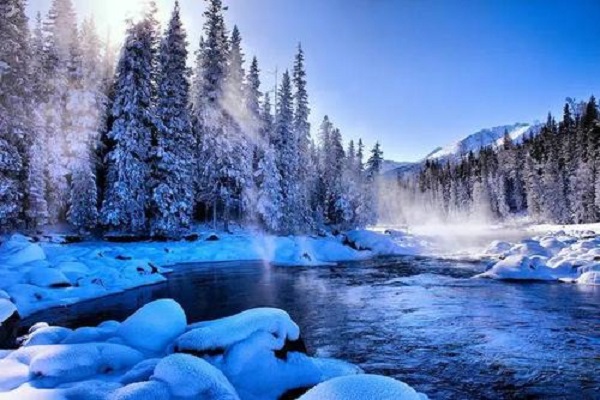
(286, 147)
(37, 207)
(270, 199)
(171, 197)
(15, 109)
(62, 60)
(124, 205)
(302, 130)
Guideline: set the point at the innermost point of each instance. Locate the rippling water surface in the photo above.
(423, 321)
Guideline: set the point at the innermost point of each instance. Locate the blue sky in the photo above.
(413, 74)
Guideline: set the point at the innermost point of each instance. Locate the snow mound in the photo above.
(154, 326)
(76, 361)
(220, 334)
(589, 278)
(377, 243)
(7, 309)
(519, 267)
(47, 335)
(152, 390)
(255, 355)
(18, 250)
(187, 376)
(48, 277)
(362, 387)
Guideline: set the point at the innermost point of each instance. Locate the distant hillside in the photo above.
(473, 142)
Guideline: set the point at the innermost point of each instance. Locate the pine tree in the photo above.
(375, 162)
(61, 69)
(15, 109)
(302, 131)
(270, 198)
(84, 105)
(171, 197)
(37, 207)
(124, 205)
(286, 147)
(373, 169)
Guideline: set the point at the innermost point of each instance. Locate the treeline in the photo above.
(151, 146)
(553, 176)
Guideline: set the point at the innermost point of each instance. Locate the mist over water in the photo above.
(456, 232)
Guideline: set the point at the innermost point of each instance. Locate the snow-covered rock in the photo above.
(589, 278)
(18, 250)
(222, 333)
(519, 267)
(47, 335)
(190, 377)
(378, 243)
(362, 387)
(48, 277)
(256, 359)
(152, 390)
(76, 361)
(7, 309)
(154, 326)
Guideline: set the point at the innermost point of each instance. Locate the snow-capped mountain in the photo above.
(484, 138)
(473, 142)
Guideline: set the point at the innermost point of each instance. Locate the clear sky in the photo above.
(413, 74)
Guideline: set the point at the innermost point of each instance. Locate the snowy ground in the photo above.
(567, 253)
(154, 354)
(35, 276)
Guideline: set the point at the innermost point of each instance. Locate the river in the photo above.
(421, 320)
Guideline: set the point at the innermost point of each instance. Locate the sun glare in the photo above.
(111, 16)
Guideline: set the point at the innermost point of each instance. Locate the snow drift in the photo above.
(154, 354)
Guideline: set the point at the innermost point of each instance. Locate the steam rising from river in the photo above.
(468, 231)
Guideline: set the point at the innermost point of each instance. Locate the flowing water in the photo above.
(423, 321)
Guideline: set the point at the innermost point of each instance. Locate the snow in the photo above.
(48, 277)
(7, 308)
(380, 244)
(519, 267)
(563, 253)
(18, 251)
(252, 364)
(362, 387)
(154, 326)
(486, 137)
(187, 376)
(153, 390)
(225, 332)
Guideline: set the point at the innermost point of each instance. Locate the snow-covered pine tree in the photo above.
(217, 184)
(340, 207)
(373, 170)
(15, 109)
(306, 169)
(286, 147)
(84, 106)
(61, 54)
(124, 204)
(37, 207)
(267, 122)
(323, 170)
(240, 131)
(253, 97)
(269, 205)
(171, 197)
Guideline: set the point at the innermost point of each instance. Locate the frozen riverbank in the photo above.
(43, 274)
(563, 253)
(257, 354)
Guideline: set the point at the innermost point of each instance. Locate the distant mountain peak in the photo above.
(484, 138)
(473, 142)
